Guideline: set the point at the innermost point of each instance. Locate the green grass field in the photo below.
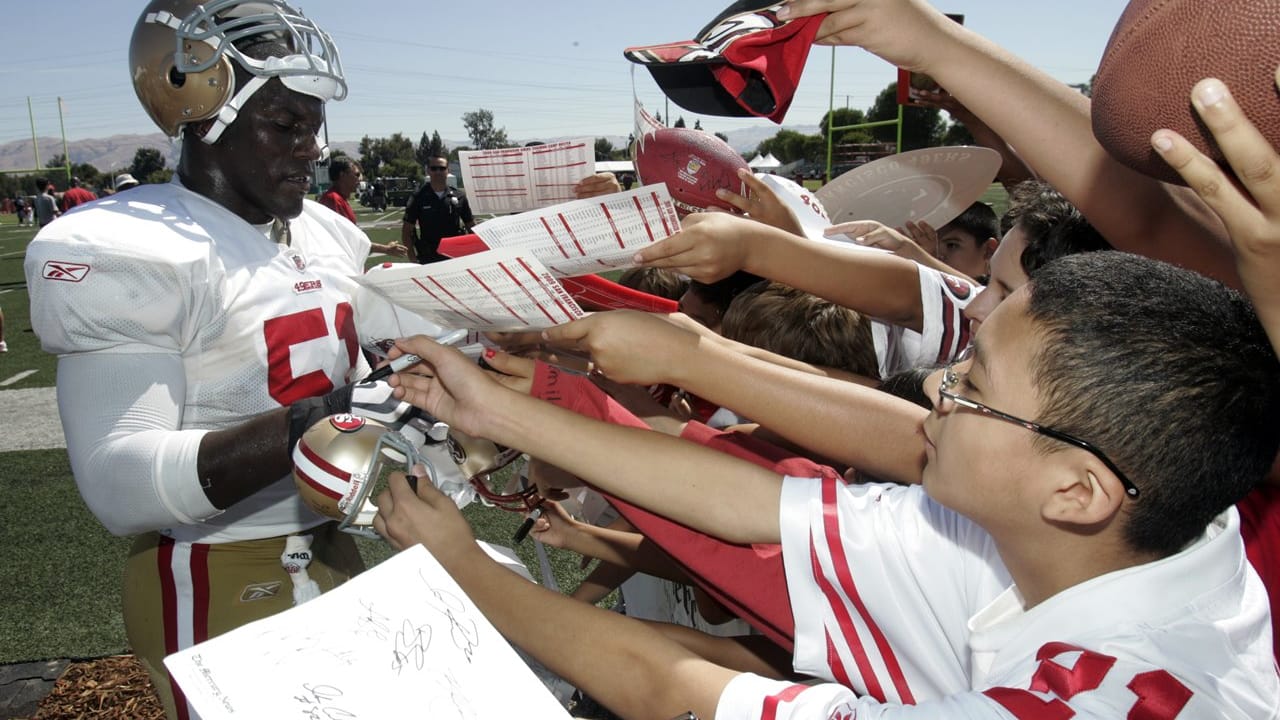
(61, 571)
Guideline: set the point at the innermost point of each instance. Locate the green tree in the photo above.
(438, 148)
(1086, 88)
(722, 136)
(378, 155)
(789, 146)
(841, 117)
(149, 166)
(958, 134)
(697, 124)
(480, 129)
(679, 122)
(423, 151)
(57, 161)
(89, 175)
(921, 127)
(604, 149)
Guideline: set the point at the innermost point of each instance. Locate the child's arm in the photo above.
(624, 548)
(709, 491)
(1046, 120)
(853, 425)
(712, 246)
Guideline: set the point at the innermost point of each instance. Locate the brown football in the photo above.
(1160, 49)
(693, 164)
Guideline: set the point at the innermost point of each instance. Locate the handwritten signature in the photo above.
(411, 645)
(463, 629)
(318, 703)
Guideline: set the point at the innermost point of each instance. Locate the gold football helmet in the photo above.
(181, 51)
(342, 461)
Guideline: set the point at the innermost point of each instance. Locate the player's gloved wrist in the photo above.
(375, 401)
(305, 413)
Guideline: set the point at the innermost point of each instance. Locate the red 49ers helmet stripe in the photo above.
(320, 474)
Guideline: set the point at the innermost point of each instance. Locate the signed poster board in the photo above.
(400, 640)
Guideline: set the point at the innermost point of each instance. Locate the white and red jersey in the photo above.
(944, 330)
(906, 603)
(257, 324)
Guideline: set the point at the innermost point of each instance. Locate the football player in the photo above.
(203, 325)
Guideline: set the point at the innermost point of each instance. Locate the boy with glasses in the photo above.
(436, 211)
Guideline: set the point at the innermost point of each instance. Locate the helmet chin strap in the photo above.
(231, 110)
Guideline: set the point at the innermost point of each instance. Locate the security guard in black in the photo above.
(435, 211)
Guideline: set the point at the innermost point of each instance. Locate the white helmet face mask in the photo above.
(313, 69)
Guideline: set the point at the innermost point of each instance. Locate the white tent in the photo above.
(768, 162)
(615, 166)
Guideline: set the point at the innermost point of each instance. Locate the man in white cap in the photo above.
(124, 181)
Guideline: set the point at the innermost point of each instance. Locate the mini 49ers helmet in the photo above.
(338, 463)
(181, 52)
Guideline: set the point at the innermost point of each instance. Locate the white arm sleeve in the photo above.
(751, 697)
(135, 468)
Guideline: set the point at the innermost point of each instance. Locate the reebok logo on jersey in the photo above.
(260, 591)
(64, 271)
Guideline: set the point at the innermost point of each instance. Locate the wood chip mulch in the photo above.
(110, 688)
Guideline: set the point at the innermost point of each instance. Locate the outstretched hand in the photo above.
(447, 384)
(900, 31)
(1249, 204)
(555, 526)
(605, 183)
(406, 518)
(626, 346)
(870, 233)
(710, 246)
(762, 204)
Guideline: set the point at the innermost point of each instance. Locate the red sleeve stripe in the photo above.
(948, 328)
(840, 564)
(771, 702)
(849, 633)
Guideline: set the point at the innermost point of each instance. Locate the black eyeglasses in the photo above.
(950, 378)
(433, 168)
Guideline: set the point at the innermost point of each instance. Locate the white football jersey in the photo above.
(944, 330)
(257, 324)
(906, 603)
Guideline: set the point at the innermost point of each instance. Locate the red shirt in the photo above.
(1260, 528)
(335, 202)
(76, 196)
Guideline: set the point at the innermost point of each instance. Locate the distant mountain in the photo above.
(110, 154)
(115, 153)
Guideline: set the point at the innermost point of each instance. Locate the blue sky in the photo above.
(544, 69)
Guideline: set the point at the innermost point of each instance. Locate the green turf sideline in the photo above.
(62, 572)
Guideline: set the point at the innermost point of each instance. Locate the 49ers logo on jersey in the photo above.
(346, 422)
(959, 288)
(64, 271)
